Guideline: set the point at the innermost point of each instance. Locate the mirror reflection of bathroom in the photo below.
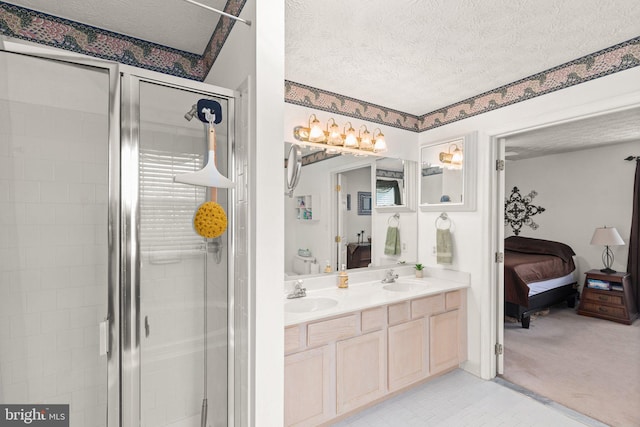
(442, 173)
(315, 214)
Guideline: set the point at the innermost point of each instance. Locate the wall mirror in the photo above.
(393, 185)
(447, 175)
(318, 213)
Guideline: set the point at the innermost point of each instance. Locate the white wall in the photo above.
(474, 231)
(255, 55)
(579, 191)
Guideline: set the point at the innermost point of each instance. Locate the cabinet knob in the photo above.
(603, 309)
(603, 298)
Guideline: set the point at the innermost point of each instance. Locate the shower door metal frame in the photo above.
(114, 402)
(130, 219)
(123, 284)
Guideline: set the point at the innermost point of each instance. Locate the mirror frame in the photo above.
(410, 172)
(469, 179)
(294, 168)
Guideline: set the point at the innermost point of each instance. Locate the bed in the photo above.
(537, 274)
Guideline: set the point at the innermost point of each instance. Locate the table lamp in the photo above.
(607, 237)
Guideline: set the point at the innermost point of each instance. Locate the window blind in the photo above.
(166, 207)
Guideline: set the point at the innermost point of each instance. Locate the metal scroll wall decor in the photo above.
(519, 210)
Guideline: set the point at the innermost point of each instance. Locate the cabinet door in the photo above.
(361, 370)
(444, 341)
(307, 387)
(408, 353)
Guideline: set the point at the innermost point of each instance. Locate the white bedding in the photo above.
(545, 285)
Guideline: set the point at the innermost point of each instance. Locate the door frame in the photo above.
(498, 144)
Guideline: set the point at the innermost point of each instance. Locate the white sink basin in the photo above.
(309, 304)
(403, 287)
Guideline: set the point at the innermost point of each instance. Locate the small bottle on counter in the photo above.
(327, 267)
(343, 278)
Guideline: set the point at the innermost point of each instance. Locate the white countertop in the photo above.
(370, 294)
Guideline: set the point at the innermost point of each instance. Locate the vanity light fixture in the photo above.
(350, 140)
(365, 139)
(335, 142)
(316, 134)
(380, 145)
(453, 158)
(334, 137)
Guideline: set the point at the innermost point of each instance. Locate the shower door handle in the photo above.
(146, 326)
(104, 337)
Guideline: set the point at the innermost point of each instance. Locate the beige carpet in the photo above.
(589, 365)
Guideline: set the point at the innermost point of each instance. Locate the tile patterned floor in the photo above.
(460, 399)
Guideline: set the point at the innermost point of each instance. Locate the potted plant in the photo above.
(419, 268)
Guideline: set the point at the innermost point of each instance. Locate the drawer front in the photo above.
(399, 313)
(332, 330)
(292, 339)
(428, 305)
(602, 297)
(604, 310)
(373, 319)
(453, 299)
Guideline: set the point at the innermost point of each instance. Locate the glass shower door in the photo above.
(183, 276)
(54, 195)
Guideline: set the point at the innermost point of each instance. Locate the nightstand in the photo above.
(615, 303)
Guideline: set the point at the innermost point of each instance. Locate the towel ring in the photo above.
(395, 218)
(443, 219)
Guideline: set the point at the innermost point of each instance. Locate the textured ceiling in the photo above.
(417, 56)
(613, 128)
(172, 23)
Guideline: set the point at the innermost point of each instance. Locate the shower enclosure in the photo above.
(102, 278)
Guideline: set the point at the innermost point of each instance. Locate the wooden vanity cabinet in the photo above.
(336, 365)
(308, 393)
(361, 370)
(408, 353)
(443, 342)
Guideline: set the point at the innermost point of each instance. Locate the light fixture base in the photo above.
(608, 270)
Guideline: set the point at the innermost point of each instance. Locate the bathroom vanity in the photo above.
(347, 349)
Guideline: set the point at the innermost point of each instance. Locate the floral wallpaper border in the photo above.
(307, 96)
(611, 60)
(26, 24)
(220, 34)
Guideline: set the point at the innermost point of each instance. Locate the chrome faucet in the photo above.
(389, 276)
(298, 291)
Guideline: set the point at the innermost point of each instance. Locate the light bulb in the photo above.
(316, 134)
(380, 145)
(335, 137)
(365, 140)
(350, 139)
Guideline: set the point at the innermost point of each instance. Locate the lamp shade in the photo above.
(606, 236)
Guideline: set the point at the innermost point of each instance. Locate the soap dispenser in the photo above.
(343, 278)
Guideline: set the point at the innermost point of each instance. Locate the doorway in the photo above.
(353, 218)
(560, 342)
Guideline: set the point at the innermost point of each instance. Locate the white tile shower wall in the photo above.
(53, 257)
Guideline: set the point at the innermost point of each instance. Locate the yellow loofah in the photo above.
(210, 220)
